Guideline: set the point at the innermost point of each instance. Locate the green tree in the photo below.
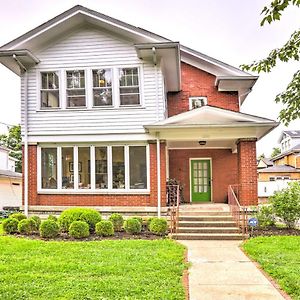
(290, 98)
(13, 141)
(261, 156)
(275, 151)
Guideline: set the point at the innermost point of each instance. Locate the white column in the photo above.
(158, 175)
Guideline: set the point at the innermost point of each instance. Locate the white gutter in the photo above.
(25, 159)
(158, 176)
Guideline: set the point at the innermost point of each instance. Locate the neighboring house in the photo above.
(264, 163)
(110, 111)
(285, 167)
(10, 181)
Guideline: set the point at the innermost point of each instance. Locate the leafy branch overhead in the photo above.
(290, 98)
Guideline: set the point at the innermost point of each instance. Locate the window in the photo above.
(272, 178)
(137, 167)
(101, 178)
(75, 88)
(118, 166)
(129, 86)
(102, 87)
(67, 163)
(49, 90)
(49, 168)
(196, 102)
(84, 176)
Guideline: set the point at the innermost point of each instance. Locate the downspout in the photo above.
(25, 159)
(158, 175)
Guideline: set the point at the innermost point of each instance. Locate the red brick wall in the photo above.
(247, 172)
(224, 170)
(196, 82)
(99, 199)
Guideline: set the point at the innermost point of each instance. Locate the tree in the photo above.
(13, 141)
(290, 98)
(275, 152)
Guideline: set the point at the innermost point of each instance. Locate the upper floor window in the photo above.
(49, 90)
(129, 86)
(102, 87)
(76, 88)
(196, 102)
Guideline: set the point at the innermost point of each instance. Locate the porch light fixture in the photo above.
(202, 143)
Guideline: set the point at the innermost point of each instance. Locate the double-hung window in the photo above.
(49, 90)
(102, 87)
(76, 88)
(129, 86)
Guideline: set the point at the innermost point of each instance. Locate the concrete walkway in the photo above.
(221, 271)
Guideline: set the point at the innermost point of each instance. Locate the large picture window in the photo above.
(102, 87)
(109, 168)
(49, 90)
(129, 86)
(76, 89)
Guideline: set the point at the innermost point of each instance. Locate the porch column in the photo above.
(158, 176)
(247, 171)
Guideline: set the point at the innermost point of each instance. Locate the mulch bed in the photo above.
(273, 230)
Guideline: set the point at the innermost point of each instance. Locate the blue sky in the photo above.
(227, 30)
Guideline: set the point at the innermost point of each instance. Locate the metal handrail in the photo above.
(238, 212)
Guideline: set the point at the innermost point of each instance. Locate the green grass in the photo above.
(280, 257)
(128, 269)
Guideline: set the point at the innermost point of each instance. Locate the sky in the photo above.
(228, 30)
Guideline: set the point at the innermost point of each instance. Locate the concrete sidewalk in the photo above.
(220, 271)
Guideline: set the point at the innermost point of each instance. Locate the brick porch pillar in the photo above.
(247, 171)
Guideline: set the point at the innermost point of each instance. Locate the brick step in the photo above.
(207, 230)
(205, 218)
(206, 224)
(203, 213)
(207, 236)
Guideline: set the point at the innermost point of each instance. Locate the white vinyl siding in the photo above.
(90, 49)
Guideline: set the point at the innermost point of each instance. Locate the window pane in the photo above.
(129, 86)
(75, 79)
(138, 167)
(50, 81)
(49, 99)
(84, 176)
(49, 168)
(75, 98)
(118, 164)
(101, 167)
(102, 78)
(129, 99)
(67, 163)
(75, 88)
(102, 97)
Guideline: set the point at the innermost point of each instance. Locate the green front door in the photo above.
(200, 180)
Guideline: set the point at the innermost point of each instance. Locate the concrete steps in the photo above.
(206, 225)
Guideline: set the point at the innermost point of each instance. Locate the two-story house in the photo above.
(110, 111)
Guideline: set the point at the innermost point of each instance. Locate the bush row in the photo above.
(80, 223)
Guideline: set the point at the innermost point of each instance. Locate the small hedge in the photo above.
(52, 218)
(19, 216)
(139, 219)
(158, 226)
(37, 220)
(149, 222)
(79, 229)
(105, 228)
(10, 225)
(132, 226)
(88, 215)
(27, 226)
(49, 229)
(117, 221)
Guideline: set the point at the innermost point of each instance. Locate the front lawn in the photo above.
(279, 256)
(127, 269)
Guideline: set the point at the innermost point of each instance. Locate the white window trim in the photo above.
(195, 98)
(93, 189)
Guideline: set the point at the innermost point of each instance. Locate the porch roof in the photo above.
(211, 123)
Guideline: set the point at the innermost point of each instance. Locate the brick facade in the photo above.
(247, 172)
(224, 170)
(196, 82)
(99, 199)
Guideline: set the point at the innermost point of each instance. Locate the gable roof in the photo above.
(291, 133)
(78, 15)
(279, 169)
(295, 149)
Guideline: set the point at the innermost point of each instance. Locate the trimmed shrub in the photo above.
(140, 219)
(158, 226)
(105, 228)
(37, 221)
(132, 226)
(79, 229)
(88, 215)
(27, 226)
(149, 222)
(265, 216)
(286, 204)
(19, 216)
(52, 218)
(49, 229)
(10, 225)
(117, 221)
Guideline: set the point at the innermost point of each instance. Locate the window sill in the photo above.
(90, 192)
(95, 108)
